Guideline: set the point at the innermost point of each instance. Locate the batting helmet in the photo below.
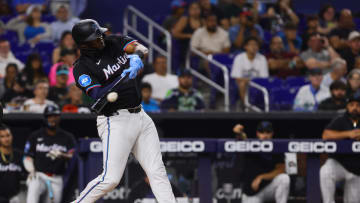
(51, 110)
(87, 30)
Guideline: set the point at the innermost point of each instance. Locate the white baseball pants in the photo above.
(277, 190)
(50, 187)
(121, 135)
(330, 173)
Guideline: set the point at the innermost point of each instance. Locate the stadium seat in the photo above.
(256, 97)
(295, 81)
(48, 18)
(282, 98)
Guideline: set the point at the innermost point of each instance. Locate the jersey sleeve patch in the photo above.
(84, 80)
(127, 44)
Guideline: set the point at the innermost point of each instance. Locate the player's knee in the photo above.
(110, 184)
(325, 171)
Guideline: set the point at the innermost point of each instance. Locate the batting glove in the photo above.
(136, 64)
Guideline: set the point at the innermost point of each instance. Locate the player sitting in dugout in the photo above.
(264, 176)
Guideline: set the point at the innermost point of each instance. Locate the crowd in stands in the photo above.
(273, 42)
(268, 41)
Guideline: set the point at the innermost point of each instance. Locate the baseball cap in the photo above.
(354, 35)
(265, 126)
(315, 71)
(65, 52)
(338, 85)
(62, 69)
(30, 9)
(354, 97)
(184, 73)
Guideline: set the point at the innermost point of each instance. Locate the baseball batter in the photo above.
(46, 153)
(122, 125)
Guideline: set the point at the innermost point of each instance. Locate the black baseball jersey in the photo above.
(11, 173)
(39, 144)
(257, 164)
(350, 162)
(103, 67)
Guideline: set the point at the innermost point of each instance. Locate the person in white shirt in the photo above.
(338, 71)
(6, 57)
(160, 81)
(39, 102)
(309, 96)
(249, 64)
(64, 22)
(211, 39)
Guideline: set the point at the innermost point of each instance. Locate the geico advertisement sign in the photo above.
(318, 147)
(248, 146)
(117, 194)
(182, 146)
(356, 147)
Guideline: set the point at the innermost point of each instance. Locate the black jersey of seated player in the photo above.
(103, 67)
(11, 173)
(39, 144)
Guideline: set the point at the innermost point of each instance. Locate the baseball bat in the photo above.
(101, 102)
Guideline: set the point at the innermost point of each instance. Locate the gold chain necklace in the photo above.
(3, 157)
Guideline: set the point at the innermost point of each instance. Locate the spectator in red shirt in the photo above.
(282, 63)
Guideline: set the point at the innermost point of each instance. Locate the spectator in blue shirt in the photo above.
(246, 28)
(149, 105)
(36, 30)
(184, 98)
(292, 41)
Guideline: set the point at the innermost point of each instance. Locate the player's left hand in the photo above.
(136, 65)
(256, 183)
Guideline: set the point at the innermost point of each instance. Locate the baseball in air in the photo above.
(112, 96)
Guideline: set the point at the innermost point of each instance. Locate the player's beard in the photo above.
(355, 115)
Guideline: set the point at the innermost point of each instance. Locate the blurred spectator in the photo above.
(327, 19)
(5, 9)
(233, 10)
(177, 11)
(320, 54)
(208, 9)
(248, 65)
(357, 63)
(58, 92)
(280, 14)
(339, 35)
(265, 178)
(14, 98)
(64, 22)
(211, 39)
(342, 167)
(282, 63)
(21, 6)
(6, 57)
(292, 41)
(337, 101)
(36, 31)
(18, 25)
(74, 103)
(66, 42)
(11, 73)
(185, 27)
(68, 57)
(312, 27)
(184, 98)
(309, 96)
(160, 81)
(245, 28)
(352, 51)
(238, 130)
(38, 103)
(338, 71)
(148, 104)
(33, 71)
(353, 83)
